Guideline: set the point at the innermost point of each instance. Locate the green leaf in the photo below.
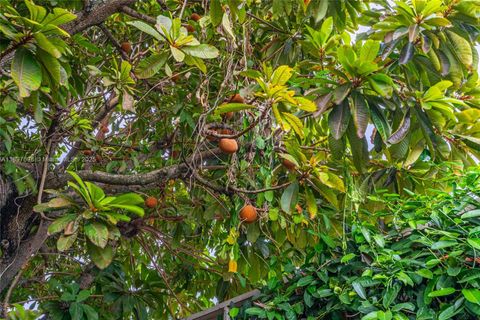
(26, 72)
(341, 92)
(65, 242)
(472, 295)
(442, 292)
(471, 214)
(360, 114)
(281, 75)
(402, 130)
(46, 45)
(148, 67)
(203, 51)
(139, 211)
(289, 197)
(461, 48)
(407, 53)
(97, 233)
(369, 51)
(60, 223)
(443, 244)
(100, 257)
(233, 107)
(128, 198)
(91, 313)
(474, 242)
(83, 295)
(51, 65)
(305, 281)
(338, 119)
(76, 311)
(142, 26)
(294, 122)
(216, 12)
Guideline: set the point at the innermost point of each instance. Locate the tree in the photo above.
(107, 103)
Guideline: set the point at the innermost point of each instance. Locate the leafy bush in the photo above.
(422, 264)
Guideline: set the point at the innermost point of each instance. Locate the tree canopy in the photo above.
(158, 156)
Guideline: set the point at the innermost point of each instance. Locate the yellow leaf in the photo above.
(281, 75)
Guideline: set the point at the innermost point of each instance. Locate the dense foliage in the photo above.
(134, 132)
(422, 265)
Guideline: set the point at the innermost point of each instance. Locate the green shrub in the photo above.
(421, 264)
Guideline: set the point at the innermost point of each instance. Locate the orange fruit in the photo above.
(228, 115)
(288, 164)
(248, 214)
(175, 77)
(151, 202)
(195, 17)
(236, 98)
(87, 152)
(189, 28)
(229, 146)
(126, 46)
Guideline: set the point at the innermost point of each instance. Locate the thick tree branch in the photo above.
(100, 14)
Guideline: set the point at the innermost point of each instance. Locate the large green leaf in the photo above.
(97, 232)
(100, 257)
(203, 51)
(289, 197)
(26, 72)
(338, 119)
(149, 66)
(360, 114)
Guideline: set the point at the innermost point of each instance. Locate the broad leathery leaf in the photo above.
(97, 233)
(46, 45)
(402, 130)
(337, 147)
(443, 244)
(462, 48)
(369, 51)
(233, 107)
(311, 203)
(26, 72)
(58, 17)
(360, 114)
(60, 223)
(442, 292)
(294, 122)
(281, 75)
(149, 66)
(382, 84)
(338, 119)
(51, 65)
(135, 209)
(128, 198)
(474, 242)
(202, 51)
(216, 12)
(289, 197)
(37, 13)
(471, 214)
(407, 53)
(65, 242)
(359, 148)
(427, 130)
(472, 295)
(322, 103)
(379, 121)
(326, 192)
(359, 289)
(326, 29)
(142, 26)
(100, 257)
(305, 104)
(341, 92)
